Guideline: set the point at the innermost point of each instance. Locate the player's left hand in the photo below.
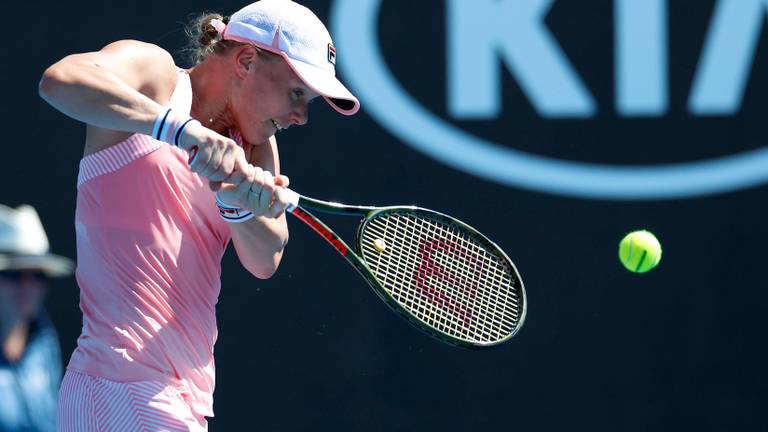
(259, 192)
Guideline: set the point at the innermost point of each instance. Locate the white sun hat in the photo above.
(293, 31)
(24, 245)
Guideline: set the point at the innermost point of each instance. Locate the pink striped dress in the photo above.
(149, 249)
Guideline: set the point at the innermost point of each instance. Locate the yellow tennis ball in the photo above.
(640, 251)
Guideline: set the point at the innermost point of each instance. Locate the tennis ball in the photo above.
(379, 245)
(640, 251)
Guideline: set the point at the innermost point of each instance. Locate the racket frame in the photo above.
(354, 257)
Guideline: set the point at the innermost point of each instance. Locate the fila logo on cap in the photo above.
(332, 54)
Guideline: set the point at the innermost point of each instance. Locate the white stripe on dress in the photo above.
(115, 157)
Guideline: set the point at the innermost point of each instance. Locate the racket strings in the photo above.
(446, 276)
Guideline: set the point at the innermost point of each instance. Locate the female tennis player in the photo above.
(176, 163)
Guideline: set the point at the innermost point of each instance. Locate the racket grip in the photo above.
(293, 200)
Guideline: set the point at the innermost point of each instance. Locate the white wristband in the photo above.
(169, 126)
(232, 214)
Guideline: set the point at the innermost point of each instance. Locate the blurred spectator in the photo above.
(30, 358)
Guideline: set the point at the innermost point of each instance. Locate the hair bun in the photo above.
(218, 25)
(205, 39)
(208, 33)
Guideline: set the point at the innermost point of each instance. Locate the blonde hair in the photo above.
(205, 40)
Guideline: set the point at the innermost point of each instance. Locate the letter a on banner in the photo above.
(721, 79)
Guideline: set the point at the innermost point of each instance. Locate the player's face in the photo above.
(271, 97)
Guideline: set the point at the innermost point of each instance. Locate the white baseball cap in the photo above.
(293, 31)
(24, 245)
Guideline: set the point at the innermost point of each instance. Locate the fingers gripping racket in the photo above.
(442, 275)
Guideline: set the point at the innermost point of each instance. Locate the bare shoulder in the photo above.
(144, 66)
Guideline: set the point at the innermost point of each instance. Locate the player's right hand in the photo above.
(214, 156)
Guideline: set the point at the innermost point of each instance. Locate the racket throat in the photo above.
(322, 229)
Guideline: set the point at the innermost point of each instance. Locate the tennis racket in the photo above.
(442, 275)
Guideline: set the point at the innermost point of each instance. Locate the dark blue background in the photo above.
(680, 348)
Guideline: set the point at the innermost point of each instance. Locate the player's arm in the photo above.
(122, 87)
(259, 242)
(122, 90)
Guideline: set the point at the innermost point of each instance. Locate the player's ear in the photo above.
(245, 60)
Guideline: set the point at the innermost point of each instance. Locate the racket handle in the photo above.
(293, 200)
(293, 197)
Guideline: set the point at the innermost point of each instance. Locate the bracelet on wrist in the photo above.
(231, 213)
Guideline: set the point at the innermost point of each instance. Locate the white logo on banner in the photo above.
(483, 32)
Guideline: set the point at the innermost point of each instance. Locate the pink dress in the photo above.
(149, 247)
